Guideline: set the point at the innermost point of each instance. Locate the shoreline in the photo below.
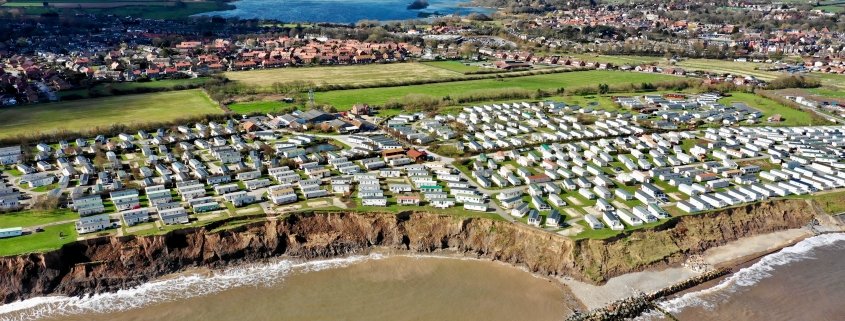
(733, 255)
(574, 296)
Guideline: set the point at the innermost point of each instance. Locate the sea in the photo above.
(372, 287)
(805, 281)
(342, 11)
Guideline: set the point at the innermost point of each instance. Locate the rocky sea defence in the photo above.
(112, 263)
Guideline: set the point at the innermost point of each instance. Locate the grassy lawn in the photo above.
(829, 80)
(257, 106)
(831, 8)
(454, 65)
(344, 99)
(33, 217)
(792, 117)
(343, 75)
(39, 242)
(45, 188)
(102, 112)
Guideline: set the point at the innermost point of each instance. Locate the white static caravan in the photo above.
(593, 222)
(644, 214)
(628, 217)
(687, 207)
(612, 221)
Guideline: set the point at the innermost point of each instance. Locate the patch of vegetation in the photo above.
(832, 203)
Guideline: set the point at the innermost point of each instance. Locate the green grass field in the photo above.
(343, 75)
(257, 106)
(50, 239)
(829, 80)
(792, 117)
(828, 92)
(453, 65)
(34, 218)
(344, 99)
(100, 112)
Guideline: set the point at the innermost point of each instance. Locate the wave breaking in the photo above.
(751, 275)
(183, 286)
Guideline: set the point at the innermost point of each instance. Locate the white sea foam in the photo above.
(175, 288)
(749, 276)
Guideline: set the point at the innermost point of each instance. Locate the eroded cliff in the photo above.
(107, 264)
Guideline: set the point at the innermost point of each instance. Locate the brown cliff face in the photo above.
(672, 242)
(108, 264)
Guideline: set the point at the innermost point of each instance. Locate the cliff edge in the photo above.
(113, 263)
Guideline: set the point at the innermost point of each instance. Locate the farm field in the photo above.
(827, 92)
(829, 80)
(91, 113)
(454, 65)
(344, 99)
(257, 106)
(734, 67)
(343, 75)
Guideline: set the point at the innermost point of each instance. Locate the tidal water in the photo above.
(803, 282)
(359, 288)
(340, 11)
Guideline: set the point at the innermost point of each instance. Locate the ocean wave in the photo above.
(179, 287)
(749, 276)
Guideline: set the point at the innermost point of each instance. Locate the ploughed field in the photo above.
(86, 114)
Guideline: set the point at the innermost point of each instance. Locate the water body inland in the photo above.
(342, 11)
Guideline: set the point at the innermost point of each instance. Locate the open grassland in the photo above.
(454, 65)
(792, 116)
(343, 75)
(103, 112)
(344, 99)
(829, 80)
(34, 217)
(53, 237)
(257, 107)
(732, 67)
(827, 92)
